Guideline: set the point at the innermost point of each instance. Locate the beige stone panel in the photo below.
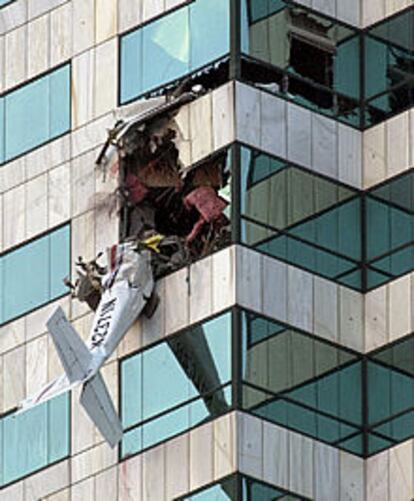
(276, 455)
(273, 124)
(177, 466)
(376, 331)
(36, 321)
(132, 341)
(224, 445)
(92, 461)
(411, 137)
(83, 25)
(397, 136)
(84, 490)
(183, 135)
(46, 482)
(399, 307)
(130, 479)
(36, 206)
(377, 477)
(13, 15)
(349, 154)
(201, 289)
(2, 63)
(82, 183)
(351, 477)
(372, 11)
(325, 6)
(248, 278)
(325, 145)
(39, 7)
(374, 166)
(47, 156)
(274, 291)
(59, 195)
(36, 364)
(14, 378)
(106, 484)
(326, 309)
(106, 19)
(14, 202)
(223, 279)
(401, 471)
(152, 9)
(153, 474)
(61, 34)
(12, 335)
(106, 76)
(201, 123)
(300, 298)
(326, 464)
(301, 464)
(13, 493)
(38, 57)
(393, 6)
(91, 135)
(351, 319)
(12, 174)
(63, 495)
(299, 135)
(83, 87)
(176, 312)
(169, 4)
(250, 445)
(16, 66)
(223, 115)
(1, 223)
(201, 455)
(129, 14)
(248, 113)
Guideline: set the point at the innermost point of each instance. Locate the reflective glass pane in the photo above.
(166, 49)
(25, 451)
(131, 398)
(131, 66)
(59, 101)
(33, 274)
(27, 117)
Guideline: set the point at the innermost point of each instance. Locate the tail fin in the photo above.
(72, 351)
(98, 404)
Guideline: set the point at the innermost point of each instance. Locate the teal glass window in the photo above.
(172, 46)
(3, 3)
(32, 275)
(359, 239)
(359, 403)
(22, 451)
(176, 384)
(241, 488)
(35, 113)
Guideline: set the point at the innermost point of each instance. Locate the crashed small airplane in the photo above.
(127, 290)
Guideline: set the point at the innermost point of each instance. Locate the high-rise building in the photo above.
(279, 363)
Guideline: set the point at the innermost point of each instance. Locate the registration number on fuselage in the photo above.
(101, 328)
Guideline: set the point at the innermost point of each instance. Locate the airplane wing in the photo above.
(73, 352)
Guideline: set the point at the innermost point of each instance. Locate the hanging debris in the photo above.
(157, 194)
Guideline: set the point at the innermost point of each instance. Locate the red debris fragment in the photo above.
(137, 191)
(208, 203)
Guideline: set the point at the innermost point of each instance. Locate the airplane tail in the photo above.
(76, 360)
(97, 402)
(73, 352)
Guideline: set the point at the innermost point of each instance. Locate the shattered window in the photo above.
(241, 488)
(173, 46)
(310, 59)
(389, 70)
(32, 275)
(176, 385)
(35, 113)
(23, 451)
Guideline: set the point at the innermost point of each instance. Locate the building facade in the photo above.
(279, 363)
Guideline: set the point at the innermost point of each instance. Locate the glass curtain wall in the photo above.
(359, 239)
